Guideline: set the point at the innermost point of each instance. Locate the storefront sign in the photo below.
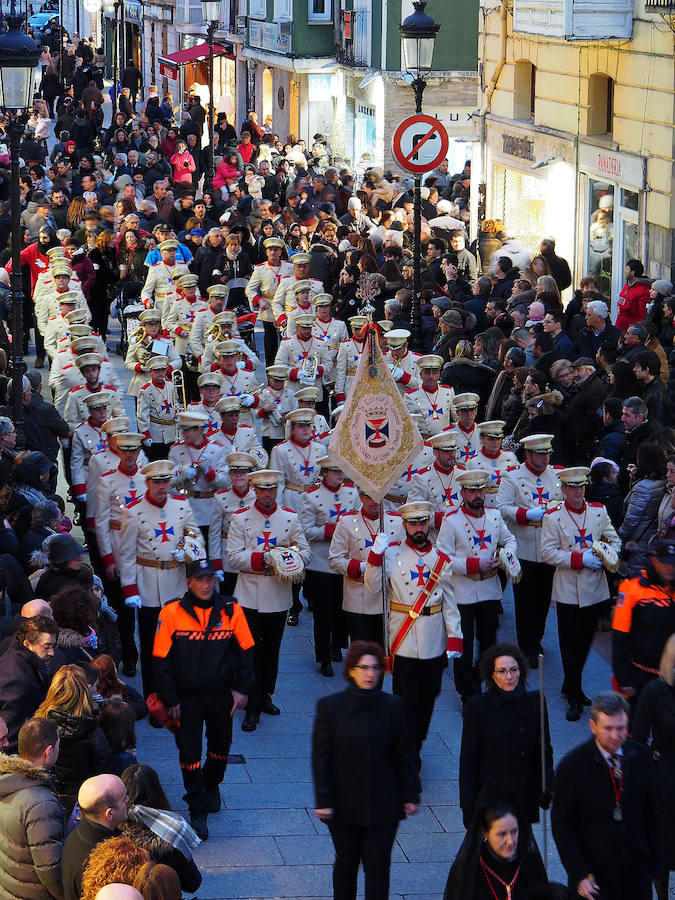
(620, 167)
(168, 69)
(267, 36)
(132, 11)
(520, 147)
(457, 119)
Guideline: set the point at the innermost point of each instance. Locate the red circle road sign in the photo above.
(420, 143)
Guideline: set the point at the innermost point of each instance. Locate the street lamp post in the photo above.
(19, 55)
(418, 35)
(211, 15)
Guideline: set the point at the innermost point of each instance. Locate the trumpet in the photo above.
(137, 334)
(180, 401)
(274, 416)
(213, 333)
(310, 366)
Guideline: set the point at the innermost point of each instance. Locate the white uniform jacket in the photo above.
(262, 286)
(156, 412)
(300, 470)
(522, 489)
(496, 466)
(115, 491)
(225, 505)
(321, 511)
(435, 407)
(209, 460)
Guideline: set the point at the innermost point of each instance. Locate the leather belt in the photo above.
(223, 535)
(267, 296)
(200, 495)
(300, 488)
(158, 563)
(115, 526)
(157, 421)
(425, 611)
(482, 576)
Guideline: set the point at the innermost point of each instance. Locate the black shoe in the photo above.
(213, 799)
(586, 700)
(574, 712)
(198, 822)
(128, 669)
(293, 619)
(327, 670)
(336, 655)
(39, 362)
(250, 722)
(269, 707)
(154, 723)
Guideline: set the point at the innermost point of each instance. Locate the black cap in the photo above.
(199, 567)
(663, 550)
(583, 361)
(62, 548)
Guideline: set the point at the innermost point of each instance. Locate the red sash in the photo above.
(416, 609)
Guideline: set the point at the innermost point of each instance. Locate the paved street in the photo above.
(266, 841)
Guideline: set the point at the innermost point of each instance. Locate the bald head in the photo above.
(118, 892)
(36, 608)
(103, 800)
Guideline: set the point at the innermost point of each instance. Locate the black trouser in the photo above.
(418, 681)
(195, 711)
(157, 451)
(368, 845)
(325, 592)
(147, 626)
(480, 620)
(190, 382)
(126, 620)
(363, 627)
(39, 343)
(100, 314)
(270, 342)
(269, 444)
(296, 605)
(267, 630)
(576, 629)
(228, 584)
(532, 596)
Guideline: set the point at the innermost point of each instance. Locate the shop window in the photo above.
(282, 10)
(319, 11)
(257, 9)
(524, 89)
(600, 104)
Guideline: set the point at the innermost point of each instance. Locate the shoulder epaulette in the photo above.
(288, 509)
(512, 468)
(178, 496)
(243, 509)
(349, 484)
(313, 489)
(344, 515)
(134, 502)
(597, 505)
(553, 509)
(78, 388)
(460, 466)
(558, 467)
(414, 391)
(222, 491)
(423, 471)
(109, 472)
(453, 512)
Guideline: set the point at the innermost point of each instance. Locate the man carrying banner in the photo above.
(424, 620)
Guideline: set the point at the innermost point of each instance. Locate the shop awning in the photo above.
(173, 61)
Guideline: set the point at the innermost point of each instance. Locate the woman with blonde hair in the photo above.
(654, 724)
(116, 860)
(75, 215)
(84, 750)
(547, 292)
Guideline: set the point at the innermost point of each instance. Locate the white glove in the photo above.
(305, 377)
(590, 560)
(362, 567)
(82, 498)
(190, 472)
(536, 514)
(147, 442)
(247, 400)
(397, 373)
(134, 602)
(380, 543)
(179, 555)
(241, 364)
(220, 575)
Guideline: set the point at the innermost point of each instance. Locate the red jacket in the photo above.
(633, 301)
(32, 257)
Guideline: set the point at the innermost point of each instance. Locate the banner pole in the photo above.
(385, 605)
(542, 729)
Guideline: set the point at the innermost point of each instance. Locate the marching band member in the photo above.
(399, 490)
(424, 621)
(306, 357)
(118, 488)
(348, 357)
(276, 400)
(225, 326)
(156, 529)
(472, 535)
(326, 328)
(105, 459)
(235, 437)
(76, 410)
(58, 326)
(48, 305)
(225, 504)
(200, 467)
(205, 316)
(468, 440)
(402, 362)
(284, 298)
(141, 350)
(347, 555)
(237, 382)
(580, 589)
(492, 458)
(210, 384)
(156, 409)
(88, 438)
(64, 374)
(159, 274)
(522, 498)
(303, 305)
(254, 533)
(262, 287)
(322, 508)
(307, 398)
(433, 401)
(437, 484)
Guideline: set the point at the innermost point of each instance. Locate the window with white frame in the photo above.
(283, 9)
(320, 11)
(257, 9)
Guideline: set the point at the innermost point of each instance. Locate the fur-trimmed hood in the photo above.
(69, 639)
(16, 774)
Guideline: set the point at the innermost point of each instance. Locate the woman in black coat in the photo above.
(502, 736)
(365, 780)
(654, 725)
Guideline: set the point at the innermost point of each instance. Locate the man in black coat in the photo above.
(23, 676)
(603, 816)
(582, 422)
(598, 330)
(558, 265)
(131, 78)
(638, 428)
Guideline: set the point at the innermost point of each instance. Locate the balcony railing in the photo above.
(353, 38)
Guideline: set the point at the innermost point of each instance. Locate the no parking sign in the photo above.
(419, 144)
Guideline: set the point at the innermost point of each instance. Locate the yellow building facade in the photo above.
(576, 130)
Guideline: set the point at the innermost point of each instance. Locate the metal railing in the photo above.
(352, 38)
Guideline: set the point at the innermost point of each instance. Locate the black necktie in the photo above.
(615, 763)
